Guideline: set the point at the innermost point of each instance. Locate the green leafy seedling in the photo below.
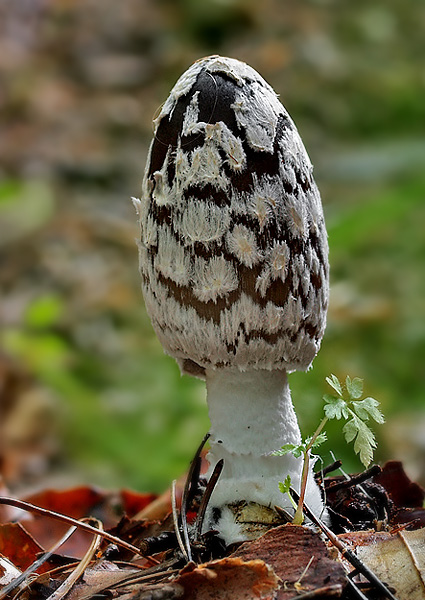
(284, 487)
(345, 404)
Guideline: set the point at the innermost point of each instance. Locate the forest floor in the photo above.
(83, 544)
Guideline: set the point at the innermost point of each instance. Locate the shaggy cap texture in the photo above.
(233, 249)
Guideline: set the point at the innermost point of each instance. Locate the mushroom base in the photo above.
(252, 415)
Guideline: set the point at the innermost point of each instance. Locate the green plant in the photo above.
(345, 404)
(285, 488)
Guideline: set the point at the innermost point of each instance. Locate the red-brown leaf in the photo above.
(288, 550)
(228, 579)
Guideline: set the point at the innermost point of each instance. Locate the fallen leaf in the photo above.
(402, 491)
(99, 577)
(288, 549)
(75, 502)
(134, 502)
(18, 545)
(397, 559)
(159, 508)
(135, 532)
(413, 518)
(228, 579)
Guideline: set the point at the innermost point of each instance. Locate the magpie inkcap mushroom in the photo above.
(234, 266)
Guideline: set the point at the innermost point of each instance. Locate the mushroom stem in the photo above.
(251, 415)
(250, 411)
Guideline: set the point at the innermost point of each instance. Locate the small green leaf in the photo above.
(335, 408)
(285, 486)
(369, 408)
(360, 411)
(286, 449)
(330, 398)
(364, 440)
(350, 430)
(298, 451)
(354, 387)
(321, 438)
(335, 384)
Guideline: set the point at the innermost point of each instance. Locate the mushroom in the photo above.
(234, 266)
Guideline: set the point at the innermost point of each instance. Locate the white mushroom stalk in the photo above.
(234, 265)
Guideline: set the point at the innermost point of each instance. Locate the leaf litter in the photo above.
(131, 550)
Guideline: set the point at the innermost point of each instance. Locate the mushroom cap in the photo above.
(233, 249)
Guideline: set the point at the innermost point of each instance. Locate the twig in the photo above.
(139, 578)
(355, 590)
(355, 479)
(70, 581)
(348, 478)
(162, 570)
(283, 514)
(193, 474)
(70, 521)
(206, 498)
(160, 543)
(330, 590)
(303, 574)
(189, 489)
(403, 526)
(345, 551)
(332, 467)
(176, 520)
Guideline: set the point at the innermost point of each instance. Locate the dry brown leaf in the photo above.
(75, 502)
(134, 502)
(228, 579)
(398, 559)
(18, 545)
(410, 518)
(100, 576)
(289, 550)
(402, 491)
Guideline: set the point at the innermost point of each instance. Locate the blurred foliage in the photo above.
(81, 81)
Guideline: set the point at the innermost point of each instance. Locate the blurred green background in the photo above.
(80, 83)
